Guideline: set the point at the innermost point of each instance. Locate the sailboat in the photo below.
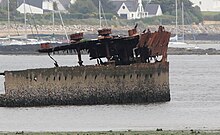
(23, 39)
(174, 41)
(17, 40)
(53, 20)
(101, 15)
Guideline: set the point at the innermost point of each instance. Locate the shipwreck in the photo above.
(136, 70)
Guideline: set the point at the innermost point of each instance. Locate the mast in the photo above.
(140, 8)
(100, 15)
(25, 19)
(9, 23)
(176, 22)
(183, 21)
(53, 19)
(63, 26)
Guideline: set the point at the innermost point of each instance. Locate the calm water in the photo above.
(199, 46)
(194, 83)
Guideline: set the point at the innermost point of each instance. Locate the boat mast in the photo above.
(63, 26)
(9, 23)
(53, 19)
(25, 19)
(176, 22)
(100, 15)
(183, 21)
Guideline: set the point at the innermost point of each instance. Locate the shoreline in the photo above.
(32, 50)
(129, 132)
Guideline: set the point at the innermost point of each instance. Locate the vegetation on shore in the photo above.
(86, 13)
(192, 14)
(180, 132)
(211, 16)
(88, 9)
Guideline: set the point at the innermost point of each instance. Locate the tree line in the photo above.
(191, 13)
(90, 8)
(84, 9)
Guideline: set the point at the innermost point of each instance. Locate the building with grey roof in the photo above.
(41, 6)
(207, 5)
(134, 9)
(35, 3)
(153, 10)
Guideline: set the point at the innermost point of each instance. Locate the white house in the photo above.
(72, 1)
(34, 8)
(134, 9)
(47, 5)
(40, 6)
(62, 5)
(207, 5)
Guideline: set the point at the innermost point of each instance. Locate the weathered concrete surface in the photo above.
(89, 85)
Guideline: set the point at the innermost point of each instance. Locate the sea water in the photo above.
(195, 101)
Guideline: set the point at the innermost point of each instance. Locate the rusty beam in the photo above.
(120, 49)
(85, 45)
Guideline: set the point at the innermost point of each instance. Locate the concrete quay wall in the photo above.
(87, 85)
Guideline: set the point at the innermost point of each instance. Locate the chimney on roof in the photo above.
(140, 9)
(139, 1)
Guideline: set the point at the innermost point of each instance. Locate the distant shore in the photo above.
(188, 51)
(32, 50)
(59, 29)
(158, 132)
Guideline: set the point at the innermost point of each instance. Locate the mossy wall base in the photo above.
(87, 85)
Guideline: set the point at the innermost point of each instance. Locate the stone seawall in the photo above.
(87, 85)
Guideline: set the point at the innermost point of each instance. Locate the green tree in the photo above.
(13, 5)
(12, 9)
(192, 14)
(83, 6)
(106, 5)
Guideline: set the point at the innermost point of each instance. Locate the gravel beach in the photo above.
(59, 29)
